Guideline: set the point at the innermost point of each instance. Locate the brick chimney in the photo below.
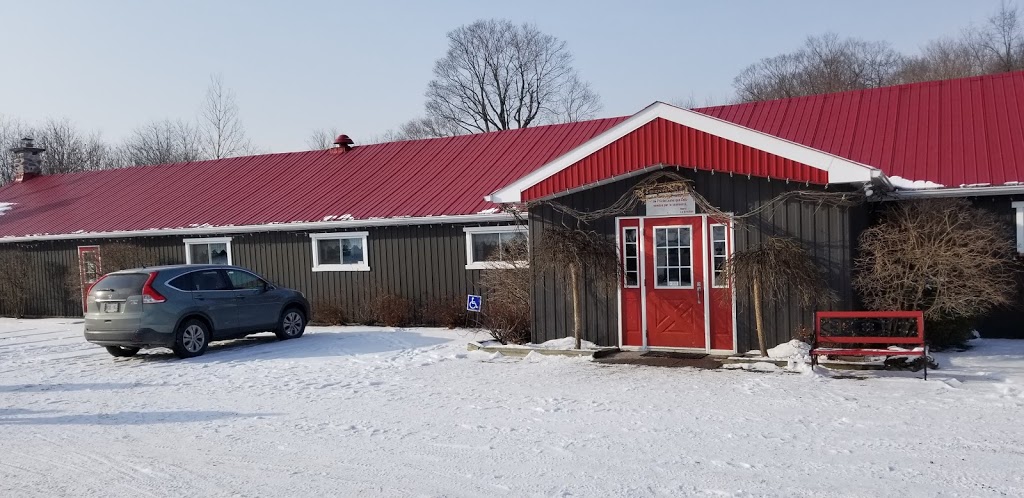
(28, 160)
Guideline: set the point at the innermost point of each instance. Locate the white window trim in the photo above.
(711, 238)
(315, 237)
(491, 265)
(1019, 206)
(693, 279)
(625, 258)
(208, 240)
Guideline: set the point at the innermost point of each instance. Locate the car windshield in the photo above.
(123, 282)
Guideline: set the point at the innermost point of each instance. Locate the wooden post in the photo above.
(577, 315)
(758, 316)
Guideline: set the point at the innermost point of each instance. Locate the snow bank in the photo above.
(489, 211)
(791, 350)
(760, 366)
(563, 343)
(903, 183)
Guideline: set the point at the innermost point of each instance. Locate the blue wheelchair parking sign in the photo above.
(473, 303)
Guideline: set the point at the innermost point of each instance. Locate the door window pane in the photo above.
(631, 257)
(719, 255)
(674, 263)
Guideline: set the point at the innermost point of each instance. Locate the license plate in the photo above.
(111, 307)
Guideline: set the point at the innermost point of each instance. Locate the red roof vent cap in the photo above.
(343, 142)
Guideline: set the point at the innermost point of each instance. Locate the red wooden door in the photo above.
(629, 256)
(674, 284)
(89, 269)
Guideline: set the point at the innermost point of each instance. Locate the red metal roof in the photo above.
(951, 132)
(434, 177)
(664, 142)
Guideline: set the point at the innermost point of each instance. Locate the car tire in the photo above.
(292, 324)
(191, 339)
(122, 351)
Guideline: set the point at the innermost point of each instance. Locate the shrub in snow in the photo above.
(328, 312)
(944, 257)
(392, 310)
(449, 312)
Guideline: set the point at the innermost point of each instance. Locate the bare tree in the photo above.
(944, 58)
(944, 257)
(1002, 39)
(498, 76)
(161, 142)
(68, 150)
(321, 138)
(420, 128)
(222, 130)
(825, 64)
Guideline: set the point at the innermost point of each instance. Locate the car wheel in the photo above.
(121, 351)
(293, 324)
(191, 340)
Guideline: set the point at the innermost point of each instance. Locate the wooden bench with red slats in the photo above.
(911, 336)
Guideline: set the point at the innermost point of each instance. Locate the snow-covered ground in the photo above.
(347, 411)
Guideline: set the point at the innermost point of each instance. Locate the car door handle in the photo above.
(240, 296)
(199, 298)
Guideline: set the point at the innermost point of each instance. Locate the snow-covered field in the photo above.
(346, 411)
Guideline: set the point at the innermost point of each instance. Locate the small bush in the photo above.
(448, 311)
(949, 332)
(508, 323)
(391, 310)
(328, 312)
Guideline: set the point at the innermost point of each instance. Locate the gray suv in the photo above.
(184, 307)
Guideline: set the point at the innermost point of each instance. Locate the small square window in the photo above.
(341, 251)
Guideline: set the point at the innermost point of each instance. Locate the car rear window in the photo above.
(183, 282)
(122, 282)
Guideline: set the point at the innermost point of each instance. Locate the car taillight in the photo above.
(85, 298)
(149, 294)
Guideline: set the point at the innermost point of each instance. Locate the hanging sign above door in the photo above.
(671, 204)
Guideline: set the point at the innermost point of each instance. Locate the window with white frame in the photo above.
(340, 251)
(492, 247)
(1019, 206)
(630, 257)
(719, 255)
(208, 251)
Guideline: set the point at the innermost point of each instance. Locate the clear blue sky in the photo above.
(363, 66)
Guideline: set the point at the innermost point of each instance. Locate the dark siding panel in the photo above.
(825, 231)
(420, 263)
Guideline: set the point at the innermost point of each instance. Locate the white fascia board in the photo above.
(273, 227)
(840, 170)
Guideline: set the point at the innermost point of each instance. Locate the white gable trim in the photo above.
(840, 170)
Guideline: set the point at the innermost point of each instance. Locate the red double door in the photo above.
(673, 290)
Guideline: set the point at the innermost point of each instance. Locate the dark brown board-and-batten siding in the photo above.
(419, 262)
(828, 232)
